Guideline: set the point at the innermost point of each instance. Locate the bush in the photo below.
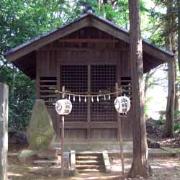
(21, 97)
(177, 127)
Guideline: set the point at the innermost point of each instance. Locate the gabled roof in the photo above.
(86, 20)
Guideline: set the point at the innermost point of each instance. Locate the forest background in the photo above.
(22, 20)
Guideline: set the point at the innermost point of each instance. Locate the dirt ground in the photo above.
(166, 168)
(163, 169)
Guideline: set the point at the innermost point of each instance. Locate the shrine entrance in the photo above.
(89, 79)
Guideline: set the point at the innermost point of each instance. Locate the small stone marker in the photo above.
(40, 131)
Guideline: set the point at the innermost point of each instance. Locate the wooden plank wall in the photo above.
(51, 57)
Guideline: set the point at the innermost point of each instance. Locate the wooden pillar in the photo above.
(3, 130)
(58, 87)
(62, 138)
(120, 137)
(38, 58)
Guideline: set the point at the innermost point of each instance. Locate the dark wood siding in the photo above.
(90, 48)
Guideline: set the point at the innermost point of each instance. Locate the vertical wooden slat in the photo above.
(38, 59)
(58, 74)
(3, 130)
(119, 74)
(89, 102)
(62, 139)
(120, 135)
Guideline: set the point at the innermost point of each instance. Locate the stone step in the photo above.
(89, 161)
(89, 170)
(46, 162)
(87, 157)
(12, 154)
(88, 166)
(88, 154)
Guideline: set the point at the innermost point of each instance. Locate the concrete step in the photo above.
(87, 153)
(89, 161)
(46, 162)
(88, 166)
(89, 170)
(83, 158)
(87, 158)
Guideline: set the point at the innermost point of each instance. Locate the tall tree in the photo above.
(19, 22)
(140, 152)
(178, 5)
(171, 45)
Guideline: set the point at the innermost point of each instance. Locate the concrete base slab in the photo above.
(114, 147)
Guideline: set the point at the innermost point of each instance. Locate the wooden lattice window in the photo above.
(126, 86)
(47, 90)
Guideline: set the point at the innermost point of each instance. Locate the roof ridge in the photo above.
(44, 35)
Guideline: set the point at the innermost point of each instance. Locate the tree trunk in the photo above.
(178, 4)
(3, 130)
(170, 43)
(178, 44)
(169, 123)
(176, 103)
(140, 151)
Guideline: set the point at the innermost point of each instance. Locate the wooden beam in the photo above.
(150, 49)
(103, 125)
(157, 53)
(44, 40)
(86, 21)
(79, 49)
(88, 40)
(110, 29)
(91, 125)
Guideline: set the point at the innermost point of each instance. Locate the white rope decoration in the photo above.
(93, 95)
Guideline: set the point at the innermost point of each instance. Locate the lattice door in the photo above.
(74, 78)
(103, 79)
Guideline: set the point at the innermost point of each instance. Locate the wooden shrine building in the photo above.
(88, 55)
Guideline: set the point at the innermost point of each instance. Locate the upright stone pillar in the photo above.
(3, 130)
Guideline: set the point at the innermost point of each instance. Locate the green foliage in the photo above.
(117, 12)
(146, 106)
(22, 20)
(22, 95)
(177, 127)
(177, 114)
(160, 121)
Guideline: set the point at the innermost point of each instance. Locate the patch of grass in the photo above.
(177, 127)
